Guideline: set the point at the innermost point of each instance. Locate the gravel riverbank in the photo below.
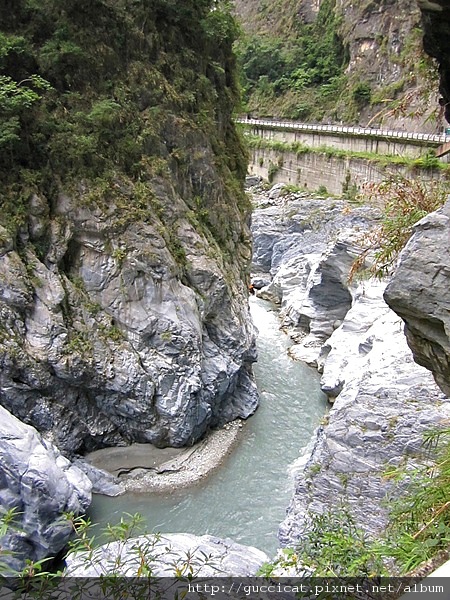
(144, 468)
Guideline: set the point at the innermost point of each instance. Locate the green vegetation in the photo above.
(318, 70)
(298, 77)
(104, 98)
(79, 343)
(333, 547)
(349, 188)
(39, 578)
(419, 528)
(427, 161)
(404, 201)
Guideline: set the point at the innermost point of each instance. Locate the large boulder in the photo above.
(108, 340)
(419, 293)
(209, 556)
(41, 486)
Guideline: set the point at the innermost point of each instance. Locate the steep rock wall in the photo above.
(135, 331)
(124, 242)
(385, 47)
(40, 485)
(419, 290)
(436, 27)
(419, 293)
(383, 402)
(388, 77)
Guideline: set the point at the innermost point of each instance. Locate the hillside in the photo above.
(335, 60)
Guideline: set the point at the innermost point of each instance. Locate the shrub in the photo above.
(332, 546)
(272, 171)
(140, 559)
(403, 202)
(420, 523)
(419, 529)
(361, 94)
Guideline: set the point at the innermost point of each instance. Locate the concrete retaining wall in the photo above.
(349, 144)
(354, 139)
(312, 170)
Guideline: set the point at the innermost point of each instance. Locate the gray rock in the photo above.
(385, 403)
(102, 482)
(419, 293)
(259, 282)
(436, 27)
(308, 246)
(41, 485)
(276, 190)
(209, 556)
(252, 180)
(108, 340)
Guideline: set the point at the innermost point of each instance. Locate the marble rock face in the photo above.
(41, 486)
(306, 246)
(383, 401)
(107, 340)
(419, 293)
(209, 556)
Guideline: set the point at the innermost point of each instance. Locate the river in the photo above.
(246, 498)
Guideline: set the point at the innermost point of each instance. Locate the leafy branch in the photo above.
(403, 201)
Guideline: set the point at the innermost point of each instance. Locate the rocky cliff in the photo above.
(108, 339)
(41, 487)
(419, 294)
(386, 57)
(382, 75)
(436, 28)
(124, 241)
(383, 402)
(303, 250)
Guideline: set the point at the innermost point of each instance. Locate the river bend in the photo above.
(246, 498)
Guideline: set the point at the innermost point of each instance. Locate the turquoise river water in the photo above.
(246, 498)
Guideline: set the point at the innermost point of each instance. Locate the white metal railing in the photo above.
(435, 138)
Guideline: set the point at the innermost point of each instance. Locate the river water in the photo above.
(246, 498)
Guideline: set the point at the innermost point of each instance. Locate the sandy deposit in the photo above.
(145, 468)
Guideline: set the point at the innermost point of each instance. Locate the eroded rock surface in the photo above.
(122, 330)
(384, 404)
(306, 247)
(383, 401)
(208, 555)
(41, 485)
(419, 293)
